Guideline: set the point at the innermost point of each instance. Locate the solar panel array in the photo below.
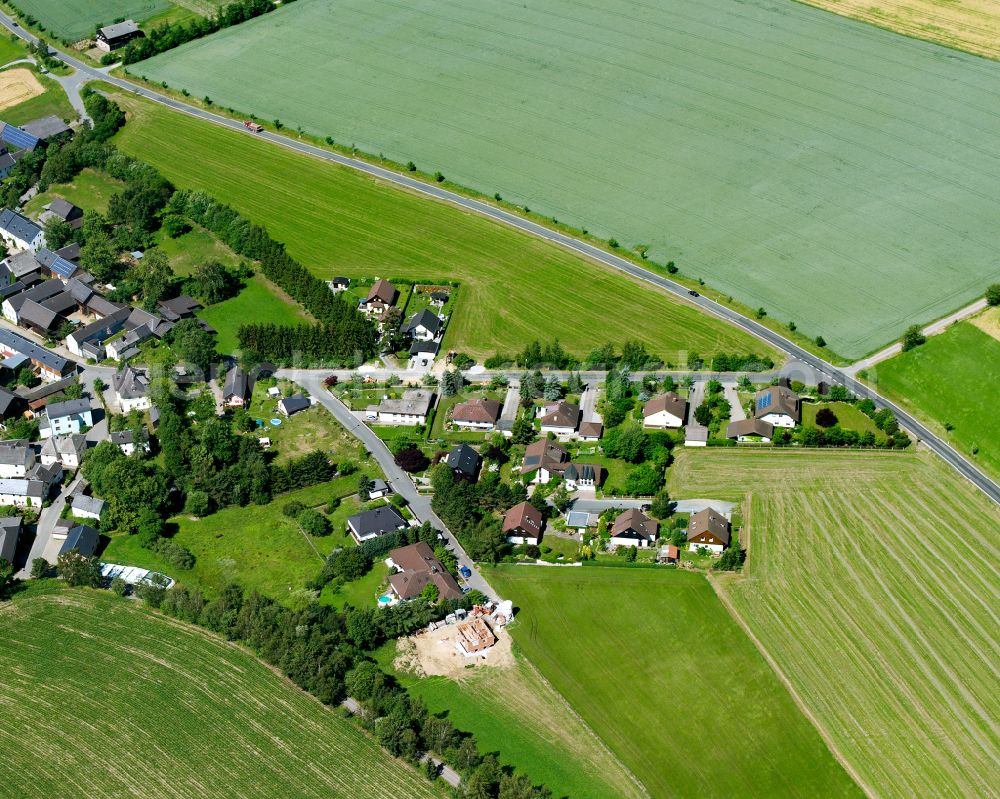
(63, 268)
(16, 137)
(763, 402)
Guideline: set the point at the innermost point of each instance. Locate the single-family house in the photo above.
(84, 507)
(416, 566)
(708, 529)
(590, 431)
(411, 409)
(381, 297)
(64, 211)
(339, 283)
(22, 492)
(664, 411)
(67, 451)
(750, 430)
(476, 414)
(561, 418)
(374, 522)
(778, 406)
(542, 460)
(70, 416)
(131, 387)
(293, 404)
(236, 392)
(16, 461)
(10, 532)
(24, 268)
(424, 325)
(464, 462)
(19, 232)
(127, 442)
(112, 37)
(583, 475)
(633, 528)
(69, 535)
(523, 524)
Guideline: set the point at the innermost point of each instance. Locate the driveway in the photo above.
(510, 404)
(588, 404)
(47, 523)
(401, 483)
(736, 412)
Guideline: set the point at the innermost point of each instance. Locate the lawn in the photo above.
(77, 19)
(841, 176)
(515, 288)
(103, 698)
(51, 102)
(194, 248)
(259, 302)
(654, 664)
(90, 190)
(517, 712)
(951, 380)
(848, 416)
(972, 25)
(872, 582)
(257, 546)
(11, 49)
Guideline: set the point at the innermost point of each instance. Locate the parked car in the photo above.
(465, 571)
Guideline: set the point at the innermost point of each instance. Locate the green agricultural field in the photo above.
(257, 546)
(841, 176)
(872, 582)
(77, 19)
(951, 380)
(261, 302)
(654, 664)
(103, 700)
(515, 288)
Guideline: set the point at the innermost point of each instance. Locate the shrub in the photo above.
(197, 503)
(993, 294)
(293, 508)
(826, 417)
(314, 523)
(411, 459)
(913, 337)
(178, 556)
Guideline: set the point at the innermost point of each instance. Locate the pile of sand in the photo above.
(18, 85)
(433, 654)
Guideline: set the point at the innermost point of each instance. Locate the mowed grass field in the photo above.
(873, 580)
(839, 175)
(951, 380)
(517, 712)
(972, 25)
(515, 288)
(102, 698)
(654, 664)
(77, 19)
(260, 302)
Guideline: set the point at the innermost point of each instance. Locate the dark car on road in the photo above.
(465, 571)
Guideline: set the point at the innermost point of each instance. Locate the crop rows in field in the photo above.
(873, 581)
(76, 19)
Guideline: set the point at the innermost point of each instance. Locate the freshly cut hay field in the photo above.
(102, 698)
(76, 19)
(515, 288)
(654, 664)
(972, 25)
(839, 175)
(952, 380)
(873, 581)
(18, 85)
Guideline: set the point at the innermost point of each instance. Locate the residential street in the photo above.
(398, 479)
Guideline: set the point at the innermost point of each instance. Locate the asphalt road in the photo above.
(834, 374)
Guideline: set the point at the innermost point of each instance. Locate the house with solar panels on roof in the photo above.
(19, 232)
(17, 139)
(778, 406)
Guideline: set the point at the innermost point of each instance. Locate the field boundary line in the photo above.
(796, 698)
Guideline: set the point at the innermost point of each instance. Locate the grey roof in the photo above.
(7, 161)
(14, 288)
(8, 402)
(294, 404)
(41, 355)
(577, 519)
(71, 252)
(65, 445)
(423, 318)
(101, 306)
(377, 521)
(21, 487)
(122, 438)
(62, 208)
(10, 531)
(130, 383)
(424, 347)
(61, 303)
(18, 226)
(16, 456)
(464, 459)
(43, 291)
(82, 538)
(46, 127)
(237, 384)
(78, 290)
(415, 402)
(125, 28)
(101, 329)
(56, 263)
(22, 263)
(380, 486)
(139, 317)
(67, 408)
(179, 307)
(81, 502)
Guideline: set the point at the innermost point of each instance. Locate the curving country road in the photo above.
(832, 373)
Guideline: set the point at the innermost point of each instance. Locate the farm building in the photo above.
(84, 507)
(50, 366)
(113, 37)
(633, 528)
(664, 411)
(46, 129)
(708, 529)
(69, 535)
(778, 406)
(10, 532)
(523, 524)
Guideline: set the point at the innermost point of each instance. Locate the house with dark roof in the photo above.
(45, 290)
(542, 460)
(64, 211)
(24, 267)
(57, 267)
(71, 252)
(633, 528)
(20, 140)
(416, 566)
(523, 524)
(50, 366)
(178, 308)
(424, 325)
(61, 418)
(561, 418)
(10, 532)
(20, 232)
(750, 430)
(665, 411)
(778, 406)
(113, 37)
(339, 283)
(464, 463)
(128, 442)
(439, 298)
(583, 475)
(131, 387)
(476, 414)
(708, 529)
(40, 318)
(69, 535)
(96, 333)
(374, 522)
(236, 392)
(45, 129)
(293, 404)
